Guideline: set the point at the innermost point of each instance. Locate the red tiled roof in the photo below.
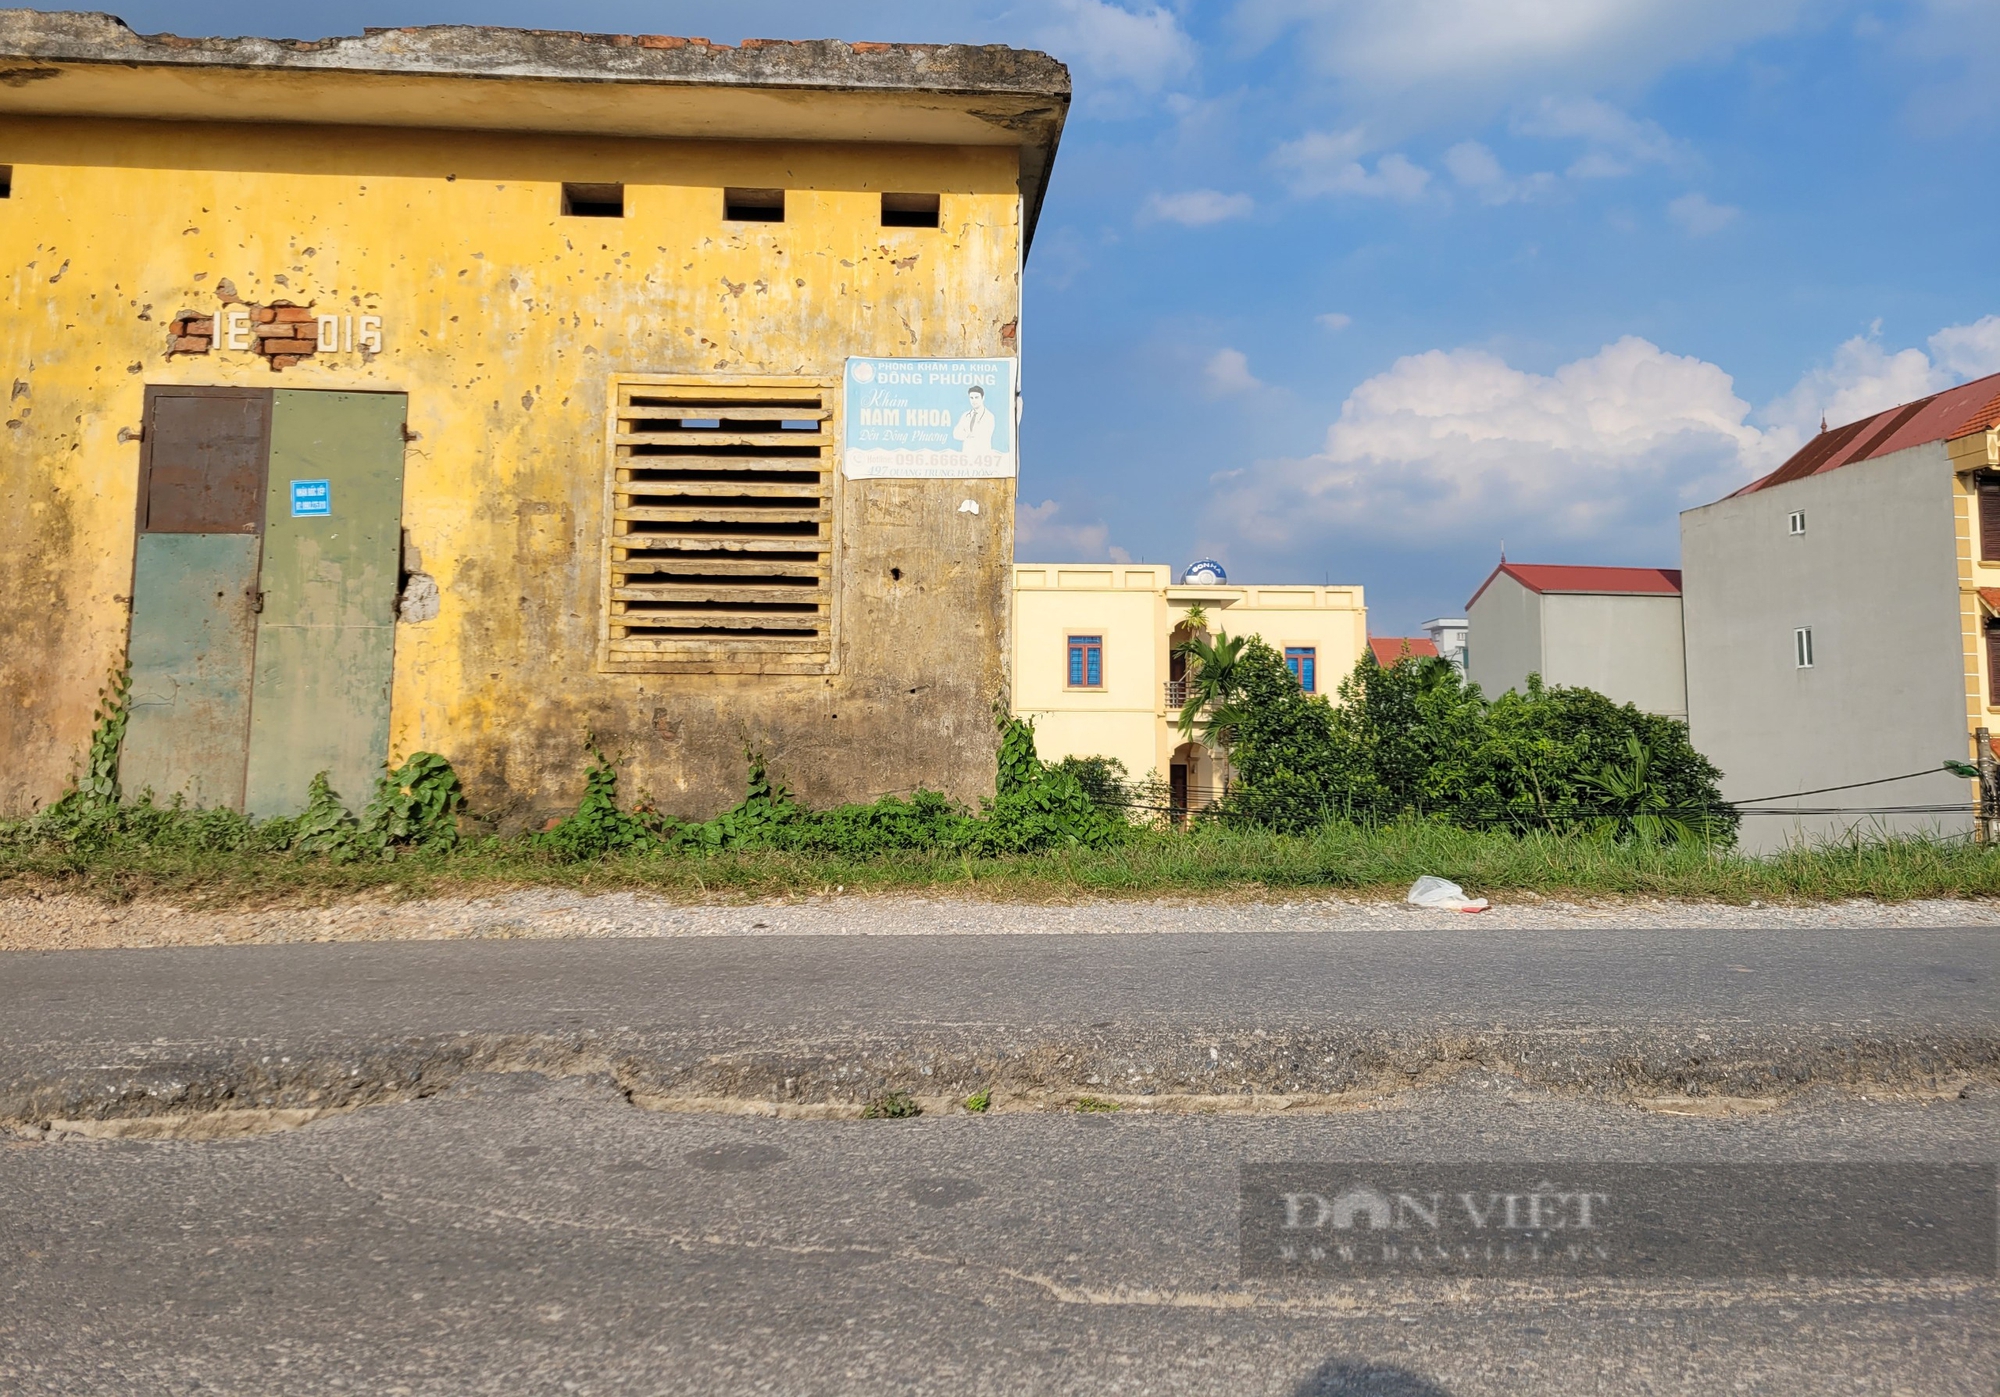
(1557, 577)
(1956, 412)
(1991, 596)
(1391, 648)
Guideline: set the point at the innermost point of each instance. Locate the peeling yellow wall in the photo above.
(504, 322)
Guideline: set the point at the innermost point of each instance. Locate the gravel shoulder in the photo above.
(63, 922)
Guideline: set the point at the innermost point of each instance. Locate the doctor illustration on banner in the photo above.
(974, 432)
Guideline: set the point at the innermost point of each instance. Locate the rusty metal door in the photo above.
(194, 591)
(332, 560)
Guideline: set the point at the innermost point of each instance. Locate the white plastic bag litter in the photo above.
(1444, 895)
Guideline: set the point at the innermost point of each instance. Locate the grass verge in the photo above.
(1204, 862)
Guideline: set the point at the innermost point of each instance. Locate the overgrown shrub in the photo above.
(597, 826)
(1414, 739)
(1103, 779)
(415, 806)
(1037, 807)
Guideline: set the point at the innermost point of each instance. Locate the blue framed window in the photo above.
(1302, 660)
(1086, 662)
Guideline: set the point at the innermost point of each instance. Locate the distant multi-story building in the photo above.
(1095, 665)
(1615, 630)
(1448, 634)
(1843, 622)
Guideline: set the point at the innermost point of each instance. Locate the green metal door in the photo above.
(194, 584)
(325, 637)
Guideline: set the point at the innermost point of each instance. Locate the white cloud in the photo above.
(1474, 165)
(1042, 534)
(1328, 162)
(1145, 50)
(1459, 445)
(1455, 443)
(1425, 57)
(1477, 170)
(1698, 215)
(1335, 321)
(1618, 141)
(1196, 208)
(1227, 374)
(1863, 377)
(1970, 351)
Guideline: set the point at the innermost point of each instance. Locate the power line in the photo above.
(1211, 803)
(1851, 786)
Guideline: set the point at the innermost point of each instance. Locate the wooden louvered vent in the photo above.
(722, 531)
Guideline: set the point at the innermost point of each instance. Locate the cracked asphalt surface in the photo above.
(516, 1235)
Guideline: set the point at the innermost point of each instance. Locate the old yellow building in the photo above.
(474, 390)
(1095, 666)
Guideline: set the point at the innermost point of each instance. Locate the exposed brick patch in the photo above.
(284, 332)
(190, 332)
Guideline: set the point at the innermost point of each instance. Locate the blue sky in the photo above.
(1359, 289)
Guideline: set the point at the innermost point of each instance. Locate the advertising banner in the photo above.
(929, 419)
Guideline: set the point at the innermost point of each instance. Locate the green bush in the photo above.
(1037, 807)
(414, 807)
(597, 826)
(1414, 739)
(1103, 779)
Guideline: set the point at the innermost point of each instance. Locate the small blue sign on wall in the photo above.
(311, 497)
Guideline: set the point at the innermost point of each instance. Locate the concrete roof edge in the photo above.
(479, 51)
(1028, 91)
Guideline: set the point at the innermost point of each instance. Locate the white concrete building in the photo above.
(1448, 634)
(1615, 630)
(1841, 623)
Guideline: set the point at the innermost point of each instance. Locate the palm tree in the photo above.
(1635, 806)
(1214, 687)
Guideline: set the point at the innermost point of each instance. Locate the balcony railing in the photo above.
(1177, 694)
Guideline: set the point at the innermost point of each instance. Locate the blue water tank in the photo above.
(1205, 571)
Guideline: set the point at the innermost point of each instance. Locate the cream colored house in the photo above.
(1094, 666)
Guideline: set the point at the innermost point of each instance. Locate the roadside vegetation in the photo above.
(1556, 792)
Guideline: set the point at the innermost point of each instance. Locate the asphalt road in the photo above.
(517, 1235)
(1908, 979)
(838, 1021)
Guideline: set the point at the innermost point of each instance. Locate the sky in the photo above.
(1362, 291)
